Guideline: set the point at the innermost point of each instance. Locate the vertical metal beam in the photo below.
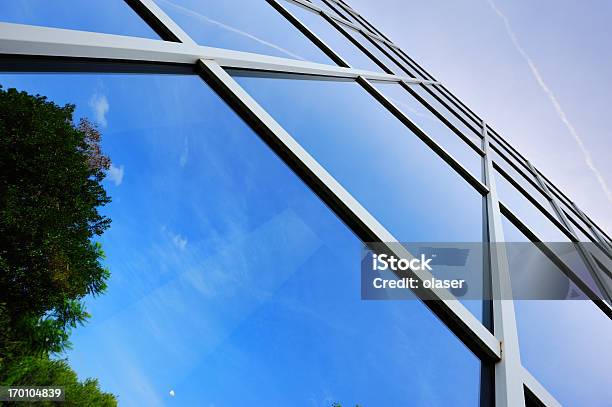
(508, 371)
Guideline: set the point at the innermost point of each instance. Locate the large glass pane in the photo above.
(524, 182)
(109, 16)
(381, 56)
(333, 38)
(231, 283)
(433, 126)
(412, 191)
(448, 115)
(533, 218)
(242, 25)
(388, 169)
(565, 344)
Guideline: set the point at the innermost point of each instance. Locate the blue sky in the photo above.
(466, 45)
(232, 284)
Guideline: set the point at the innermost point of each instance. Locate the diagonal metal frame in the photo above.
(120, 53)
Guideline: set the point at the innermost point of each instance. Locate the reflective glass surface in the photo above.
(433, 127)
(109, 16)
(381, 56)
(231, 283)
(454, 120)
(524, 182)
(565, 345)
(243, 25)
(333, 38)
(390, 171)
(531, 216)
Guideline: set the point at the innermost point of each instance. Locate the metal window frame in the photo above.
(29, 48)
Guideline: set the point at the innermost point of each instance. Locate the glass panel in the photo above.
(454, 120)
(242, 25)
(390, 171)
(579, 227)
(333, 38)
(522, 181)
(434, 128)
(565, 345)
(226, 269)
(110, 16)
(531, 216)
(323, 6)
(365, 40)
(412, 66)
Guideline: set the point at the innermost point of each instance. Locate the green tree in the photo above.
(50, 191)
(35, 371)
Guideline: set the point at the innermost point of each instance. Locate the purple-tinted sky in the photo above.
(468, 46)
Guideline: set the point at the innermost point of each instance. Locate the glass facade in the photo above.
(250, 162)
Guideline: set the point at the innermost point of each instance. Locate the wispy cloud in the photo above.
(99, 105)
(184, 154)
(115, 174)
(179, 241)
(230, 28)
(553, 99)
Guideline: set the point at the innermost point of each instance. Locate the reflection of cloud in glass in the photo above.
(115, 174)
(99, 105)
(209, 20)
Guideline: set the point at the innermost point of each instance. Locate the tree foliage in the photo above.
(50, 192)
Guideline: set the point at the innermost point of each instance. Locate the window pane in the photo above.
(226, 269)
(531, 216)
(389, 170)
(522, 181)
(333, 38)
(242, 25)
(434, 128)
(454, 120)
(566, 346)
(363, 39)
(109, 16)
(412, 191)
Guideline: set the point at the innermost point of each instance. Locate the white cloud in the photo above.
(99, 105)
(115, 174)
(179, 241)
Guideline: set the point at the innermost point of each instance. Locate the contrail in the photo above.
(553, 99)
(232, 29)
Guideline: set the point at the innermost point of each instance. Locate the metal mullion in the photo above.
(359, 17)
(584, 254)
(452, 111)
(538, 391)
(465, 108)
(523, 173)
(439, 150)
(569, 273)
(26, 40)
(159, 21)
(442, 118)
(355, 42)
(511, 150)
(393, 59)
(461, 321)
(570, 235)
(458, 106)
(508, 371)
(592, 224)
(308, 33)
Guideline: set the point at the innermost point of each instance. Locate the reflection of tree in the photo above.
(50, 191)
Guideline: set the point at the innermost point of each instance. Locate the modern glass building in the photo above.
(256, 144)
